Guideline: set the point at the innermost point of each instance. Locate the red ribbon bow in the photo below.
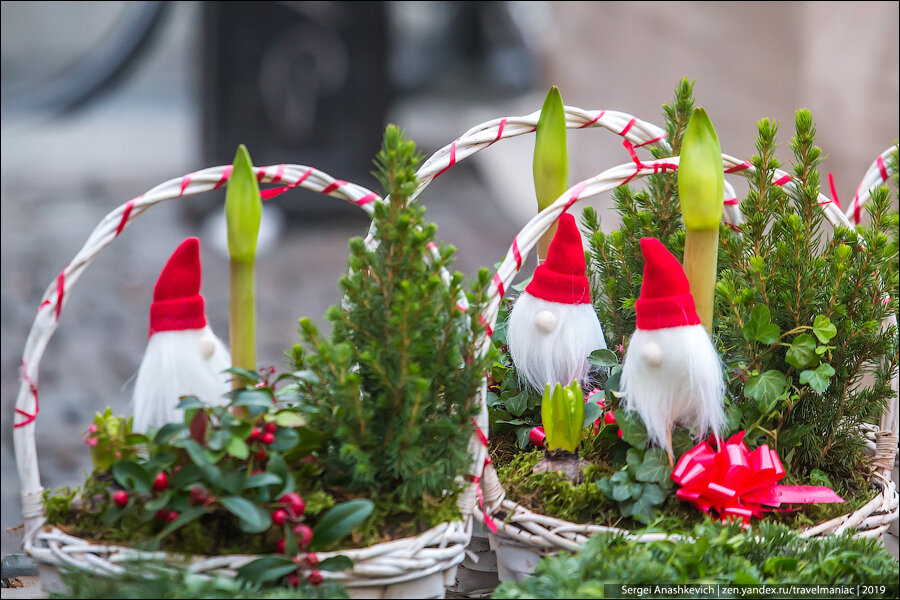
(738, 483)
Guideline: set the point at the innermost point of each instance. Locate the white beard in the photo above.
(557, 356)
(685, 387)
(174, 365)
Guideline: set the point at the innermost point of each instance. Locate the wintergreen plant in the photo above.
(393, 389)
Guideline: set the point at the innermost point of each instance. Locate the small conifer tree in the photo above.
(393, 389)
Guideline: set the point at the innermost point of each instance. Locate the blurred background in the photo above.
(101, 101)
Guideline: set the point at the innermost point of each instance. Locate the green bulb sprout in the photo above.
(551, 161)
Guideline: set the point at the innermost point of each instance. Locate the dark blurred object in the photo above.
(298, 82)
(108, 64)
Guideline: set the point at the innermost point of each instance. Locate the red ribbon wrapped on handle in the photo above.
(736, 482)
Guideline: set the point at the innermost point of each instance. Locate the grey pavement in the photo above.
(60, 177)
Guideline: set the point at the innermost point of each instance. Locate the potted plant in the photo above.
(270, 484)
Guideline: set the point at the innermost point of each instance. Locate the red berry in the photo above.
(92, 428)
(161, 482)
(267, 438)
(304, 534)
(314, 578)
(271, 427)
(280, 545)
(171, 516)
(120, 498)
(161, 515)
(296, 505)
(292, 579)
(279, 516)
(255, 433)
(311, 559)
(620, 434)
(261, 454)
(609, 418)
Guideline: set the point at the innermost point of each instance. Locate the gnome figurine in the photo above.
(552, 326)
(183, 357)
(671, 372)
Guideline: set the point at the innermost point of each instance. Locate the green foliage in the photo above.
(156, 580)
(211, 484)
(800, 310)
(110, 434)
(562, 413)
(393, 389)
(768, 554)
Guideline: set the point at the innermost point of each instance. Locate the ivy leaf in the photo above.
(603, 358)
(819, 378)
(340, 521)
(634, 458)
(605, 486)
(733, 416)
(759, 327)
(633, 430)
(253, 519)
(592, 412)
(766, 387)
(655, 467)
(802, 352)
(653, 494)
(518, 403)
(522, 437)
(824, 329)
(625, 491)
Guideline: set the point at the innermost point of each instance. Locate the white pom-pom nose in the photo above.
(652, 354)
(207, 346)
(545, 321)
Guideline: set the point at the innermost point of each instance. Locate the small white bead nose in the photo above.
(545, 321)
(652, 354)
(207, 347)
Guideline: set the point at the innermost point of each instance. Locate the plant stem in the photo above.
(242, 316)
(701, 249)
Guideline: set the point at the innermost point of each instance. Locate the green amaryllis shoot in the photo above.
(700, 188)
(562, 415)
(551, 161)
(243, 210)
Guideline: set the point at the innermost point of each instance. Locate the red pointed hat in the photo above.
(177, 303)
(666, 299)
(561, 277)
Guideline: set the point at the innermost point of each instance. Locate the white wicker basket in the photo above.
(415, 567)
(520, 536)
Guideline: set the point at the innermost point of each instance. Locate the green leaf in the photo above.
(592, 412)
(633, 430)
(634, 458)
(603, 358)
(267, 568)
(733, 416)
(518, 403)
(289, 418)
(551, 162)
(253, 398)
(335, 563)
(522, 437)
(159, 502)
(653, 494)
(198, 456)
(655, 467)
(759, 327)
(279, 467)
(340, 521)
(237, 448)
(824, 329)
(285, 439)
(243, 208)
(219, 439)
(132, 476)
(186, 516)
(802, 352)
(262, 479)
(190, 403)
(819, 378)
(766, 387)
(244, 375)
(605, 486)
(700, 174)
(167, 432)
(624, 491)
(253, 519)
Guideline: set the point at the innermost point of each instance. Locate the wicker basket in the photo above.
(520, 536)
(415, 567)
